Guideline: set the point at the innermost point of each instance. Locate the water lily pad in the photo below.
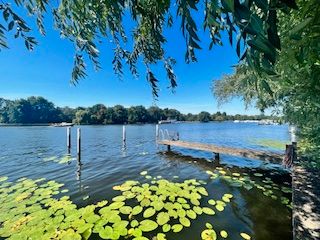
(208, 234)
(219, 207)
(191, 214)
(136, 210)
(125, 210)
(2, 179)
(144, 173)
(258, 174)
(166, 228)
(149, 212)
(245, 236)
(163, 218)
(116, 205)
(106, 233)
(161, 236)
(223, 234)
(134, 223)
(209, 225)
(177, 228)
(148, 225)
(208, 211)
(185, 221)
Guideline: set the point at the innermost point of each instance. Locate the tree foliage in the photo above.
(35, 110)
(86, 23)
(293, 83)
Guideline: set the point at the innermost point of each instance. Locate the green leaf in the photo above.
(177, 228)
(148, 225)
(228, 5)
(149, 212)
(300, 26)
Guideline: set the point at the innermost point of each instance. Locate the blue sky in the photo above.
(46, 72)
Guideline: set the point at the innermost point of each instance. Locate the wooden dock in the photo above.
(246, 153)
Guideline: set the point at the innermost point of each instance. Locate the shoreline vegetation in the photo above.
(38, 111)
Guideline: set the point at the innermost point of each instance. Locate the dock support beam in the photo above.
(216, 156)
(168, 148)
(79, 144)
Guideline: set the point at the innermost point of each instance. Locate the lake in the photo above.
(253, 196)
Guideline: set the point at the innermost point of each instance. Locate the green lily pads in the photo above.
(208, 211)
(149, 212)
(177, 228)
(166, 228)
(125, 210)
(191, 214)
(136, 210)
(163, 218)
(245, 236)
(148, 225)
(209, 225)
(223, 234)
(144, 173)
(185, 221)
(208, 234)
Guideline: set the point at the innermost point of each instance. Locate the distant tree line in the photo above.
(40, 110)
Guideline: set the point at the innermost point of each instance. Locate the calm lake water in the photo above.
(32, 152)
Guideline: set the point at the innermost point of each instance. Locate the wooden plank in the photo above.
(246, 153)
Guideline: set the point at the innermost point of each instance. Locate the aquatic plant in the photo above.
(64, 159)
(142, 210)
(37, 209)
(270, 143)
(243, 180)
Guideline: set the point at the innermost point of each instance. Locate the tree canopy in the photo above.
(293, 83)
(35, 110)
(252, 24)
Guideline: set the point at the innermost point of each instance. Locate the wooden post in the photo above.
(168, 148)
(69, 139)
(294, 152)
(157, 132)
(216, 156)
(79, 143)
(124, 135)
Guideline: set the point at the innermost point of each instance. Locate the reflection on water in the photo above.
(105, 163)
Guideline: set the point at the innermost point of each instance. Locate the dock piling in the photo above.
(124, 135)
(157, 131)
(68, 139)
(168, 148)
(79, 143)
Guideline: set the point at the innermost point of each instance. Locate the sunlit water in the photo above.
(24, 152)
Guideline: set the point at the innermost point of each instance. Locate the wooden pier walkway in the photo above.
(246, 153)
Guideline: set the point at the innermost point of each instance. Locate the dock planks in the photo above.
(246, 153)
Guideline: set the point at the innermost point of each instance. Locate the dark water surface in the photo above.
(27, 152)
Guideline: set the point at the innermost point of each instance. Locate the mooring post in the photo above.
(168, 148)
(79, 143)
(157, 132)
(69, 139)
(216, 156)
(124, 135)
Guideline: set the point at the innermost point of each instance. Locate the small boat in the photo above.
(62, 124)
(167, 121)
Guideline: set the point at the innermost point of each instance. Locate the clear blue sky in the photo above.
(46, 72)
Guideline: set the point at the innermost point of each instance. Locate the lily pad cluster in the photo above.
(210, 234)
(65, 159)
(160, 206)
(37, 209)
(266, 185)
